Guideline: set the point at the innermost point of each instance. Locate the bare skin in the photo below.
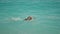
(28, 18)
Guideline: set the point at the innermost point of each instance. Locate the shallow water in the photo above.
(45, 13)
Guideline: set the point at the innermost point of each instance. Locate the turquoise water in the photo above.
(45, 13)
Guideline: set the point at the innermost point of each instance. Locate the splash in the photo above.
(15, 19)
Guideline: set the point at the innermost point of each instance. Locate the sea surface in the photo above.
(45, 13)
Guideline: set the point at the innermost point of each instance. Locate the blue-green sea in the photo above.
(45, 13)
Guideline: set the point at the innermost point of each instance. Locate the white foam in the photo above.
(15, 19)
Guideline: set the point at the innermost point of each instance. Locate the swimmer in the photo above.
(28, 18)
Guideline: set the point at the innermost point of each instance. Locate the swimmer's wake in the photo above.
(29, 18)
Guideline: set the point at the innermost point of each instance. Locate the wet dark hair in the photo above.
(29, 18)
